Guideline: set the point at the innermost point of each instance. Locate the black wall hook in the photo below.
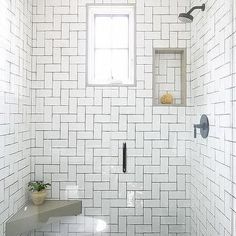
(124, 157)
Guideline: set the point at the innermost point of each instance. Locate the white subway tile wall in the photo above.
(15, 105)
(78, 131)
(234, 122)
(211, 86)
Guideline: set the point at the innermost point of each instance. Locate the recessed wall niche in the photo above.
(169, 77)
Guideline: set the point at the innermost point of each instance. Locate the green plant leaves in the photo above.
(37, 186)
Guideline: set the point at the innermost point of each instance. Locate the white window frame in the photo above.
(92, 11)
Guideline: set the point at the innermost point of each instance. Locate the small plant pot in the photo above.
(38, 198)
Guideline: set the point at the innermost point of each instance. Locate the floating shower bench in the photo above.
(32, 217)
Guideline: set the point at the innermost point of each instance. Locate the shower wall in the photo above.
(211, 86)
(234, 121)
(78, 131)
(15, 105)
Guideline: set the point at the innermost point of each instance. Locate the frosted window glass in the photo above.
(103, 65)
(111, 32)
(120, 65)
(120, 32)
(111, 49)
(103, 34)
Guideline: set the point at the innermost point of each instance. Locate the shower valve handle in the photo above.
(199, 126)
(203, 126)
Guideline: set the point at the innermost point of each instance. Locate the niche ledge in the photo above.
(169, 75)
(32, 217)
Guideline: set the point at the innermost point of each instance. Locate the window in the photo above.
(110, 45)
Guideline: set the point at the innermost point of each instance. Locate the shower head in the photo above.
(187, 17)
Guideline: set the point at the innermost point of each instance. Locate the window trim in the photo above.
(111, 9)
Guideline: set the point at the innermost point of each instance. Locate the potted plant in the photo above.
(38, 191)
